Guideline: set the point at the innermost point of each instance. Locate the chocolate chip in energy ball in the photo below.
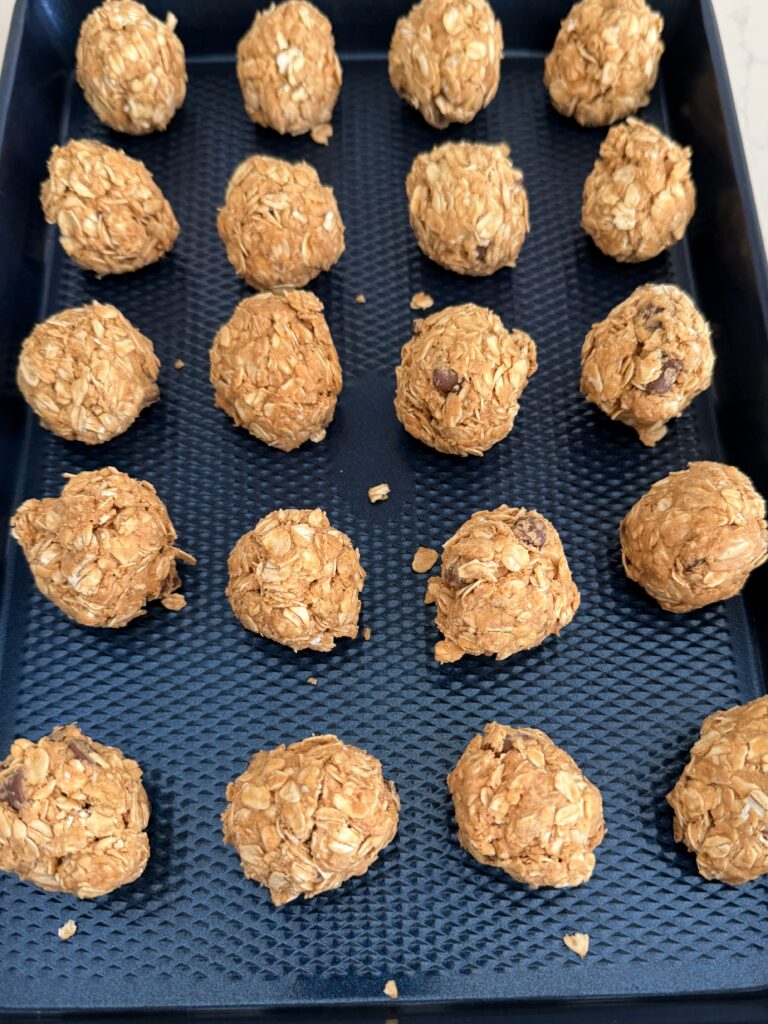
(531, 531)
(12, 790)
(80, 751)
(670, 371)
(445, 380)
(650, 314)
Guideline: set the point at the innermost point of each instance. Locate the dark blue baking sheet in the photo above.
(192, 695)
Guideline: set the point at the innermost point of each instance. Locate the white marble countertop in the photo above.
(744, 30)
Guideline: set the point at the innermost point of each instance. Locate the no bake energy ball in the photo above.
(288, 69)
(647, 361)
(523, 805)
(307, 817)
(275, 370)
(468, 207)
(131, 67)
(460, 379)
(103, 549)
(72, 814)
(88, 373)
(280, 225)
(605, 60)
(445, 59)
(695, 536)
(720, 802)
(504, 585)
(640, 197)
(112, 217)
(296, 580)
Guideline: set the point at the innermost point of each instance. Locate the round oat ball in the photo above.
(280, 225)
(88, 373)
(647, 361)
(130, 67)
(468, 207)
(640, 197)
(307, 817)
(720, 802)
(112, 217)
(523, 805)
(695, 536)
(445, 59)
(605, 60)
(460, 379)
(103, 549)
(504, 585)
(72, 814)
(275, 370)
(296, 580)
(288, 69)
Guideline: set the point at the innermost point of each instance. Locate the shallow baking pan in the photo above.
(191, 695)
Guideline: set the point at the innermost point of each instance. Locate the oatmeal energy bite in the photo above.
(275, 370)
(130, 67)
(102, 550)
(296, 580)
(695, 536)
(306, 818)
(72, 814)
(504, 585)
(605, 60)
(460, 379)
(647, 361)
(445, 59)
(523, 805)
(468, 207)
(112, 217)
(88, 373)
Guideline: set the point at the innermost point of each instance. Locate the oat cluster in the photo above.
(296, 580)
(102, 550)
(112, 217)
(605, 60)
(639, 197)
(523, 805)
(307, 817)
(647, 361)
(445, 59)
(460, 379)
(504, 585)
(72, 815)
(88, 373)
(288, 69)
(695, 536)
(468, 207)
(720, 802)
(130, 67)
(275, 370)
(280, 225)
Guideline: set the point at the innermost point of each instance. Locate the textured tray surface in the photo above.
(192, 695)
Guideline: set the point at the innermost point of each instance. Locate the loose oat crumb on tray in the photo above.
(578, 943)
(67, 930)
(378, 493)
(361, 299)
(421, 300)
(174, 602)
(424, 559)
(179, 364)
(312, 681)
(390, 989)
(367, 633)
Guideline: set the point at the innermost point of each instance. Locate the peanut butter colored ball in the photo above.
(72, 814)
(280, 225)
(306, 818)
(131, 67)
(647, 361)
(695, 537)
(112, 217)
(288, 69)
(102, 550)
(605, 60)
(296, 580)
(275, 370)
(720, 802)
(468, 207)
(445, 59)
(88, 373)
(640, 197)
(523, 805)
(504, 585)
(460, 379)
